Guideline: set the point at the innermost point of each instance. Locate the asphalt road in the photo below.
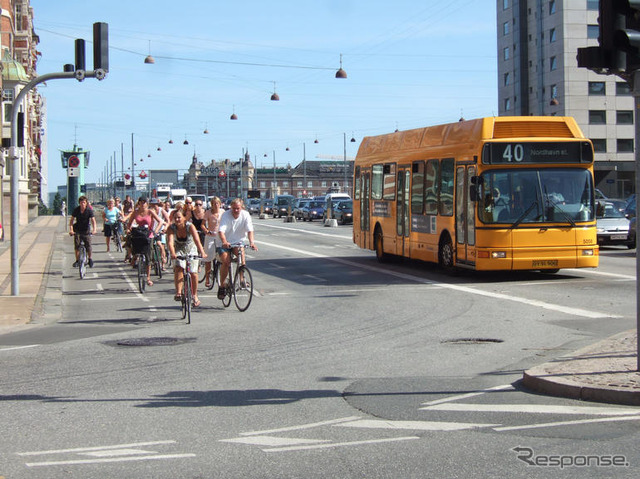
(341, 367)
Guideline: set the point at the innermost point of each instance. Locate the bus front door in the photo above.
(465, 216)
(403, 212)
(365, 196)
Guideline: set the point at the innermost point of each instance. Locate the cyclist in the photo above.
(212, 222)
(164, 216)
(182, 237)
(235, 227)
(110, 216)
(83, 228)
(144, 217)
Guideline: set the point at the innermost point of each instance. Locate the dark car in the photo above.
(266, 207)
(314, 211)
(299, 208)
(612, 225)
(253, 206)
(343, 212)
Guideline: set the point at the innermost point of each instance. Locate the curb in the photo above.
(555, 378)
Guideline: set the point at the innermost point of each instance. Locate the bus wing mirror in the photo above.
(475, 193)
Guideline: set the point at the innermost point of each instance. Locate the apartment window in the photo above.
(507, 79)
(309, 184)
(507, 104)
(624, 117)
(285, 184)
(505, 4)
(552, 35)
(599, 145)
(505, 53)
(593, 31)
(505, 28)
(553, 63)
(8, 96)
(552, 7)
(554, 91)
(597, 117)
(263, 184)
(625, 145)
(593, 5)
(597, 88)
(623, 88)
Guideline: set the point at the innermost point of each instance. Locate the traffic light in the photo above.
(619, 39)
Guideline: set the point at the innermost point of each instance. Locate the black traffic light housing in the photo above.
(619, 39)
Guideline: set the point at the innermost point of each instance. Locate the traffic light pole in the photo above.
(636, 98)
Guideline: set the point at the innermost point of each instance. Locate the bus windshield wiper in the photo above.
(524, 215)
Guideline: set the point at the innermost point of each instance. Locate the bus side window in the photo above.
(446, 187)
(431, 188)
(417, 188)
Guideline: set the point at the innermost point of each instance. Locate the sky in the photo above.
(409, 64)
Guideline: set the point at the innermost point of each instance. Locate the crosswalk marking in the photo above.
(273, 441)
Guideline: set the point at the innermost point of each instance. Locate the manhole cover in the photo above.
(471, 341)
(151, 341)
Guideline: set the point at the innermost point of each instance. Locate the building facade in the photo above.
(18, 43)
(538, 74)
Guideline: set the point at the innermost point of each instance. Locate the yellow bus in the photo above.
(502, 193)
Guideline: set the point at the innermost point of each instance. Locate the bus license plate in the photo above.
(618, 237)
(545, 263)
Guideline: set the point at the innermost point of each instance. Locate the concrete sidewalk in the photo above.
(605, 371)
(40, 275)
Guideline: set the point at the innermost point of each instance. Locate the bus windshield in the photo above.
(517, 196)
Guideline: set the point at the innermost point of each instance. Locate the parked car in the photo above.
(314, 211)
(343, 212)
(612, 224)
(299, 208)
(266, 206)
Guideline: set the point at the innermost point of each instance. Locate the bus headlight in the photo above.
(498, 254)
(588, 252)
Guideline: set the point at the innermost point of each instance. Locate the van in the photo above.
(283, 205)
(333, 198)
(202, 198)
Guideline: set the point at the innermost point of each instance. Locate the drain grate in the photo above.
(471, 341)
(162, 341)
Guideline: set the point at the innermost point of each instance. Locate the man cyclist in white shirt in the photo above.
(235, 227)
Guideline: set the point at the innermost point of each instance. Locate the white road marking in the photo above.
(466, 289)
(316, 278)
(19, 347)
(117, 452)
(350, 237)
(601, 273)
(95, 448)
(414, 425)
(99, 287)
(302, 426)
(273, 441)
(339, 444)
(568, 423)
(533, 408)
(468, 395)
(111, 459)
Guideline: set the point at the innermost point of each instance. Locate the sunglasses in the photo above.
(188, 202)
(198, 204)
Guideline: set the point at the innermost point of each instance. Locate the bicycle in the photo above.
(213, 273)
(240, 284)
(187, 293)
(115, 235)
(156, 257)
(82, 259)
(140, 249)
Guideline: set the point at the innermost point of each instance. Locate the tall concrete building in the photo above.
(538, 74)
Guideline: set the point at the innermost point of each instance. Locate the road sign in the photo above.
(74, 162)
(73, 172)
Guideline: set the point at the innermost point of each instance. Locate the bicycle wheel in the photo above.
(213, 274)
(157, 261)
(242, 288)
(142, 273)
(117, 241)
(186, 298)
(229, 290)
(82, 261)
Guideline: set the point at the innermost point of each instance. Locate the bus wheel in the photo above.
(550, 271)
(445, 253)
(377, 240)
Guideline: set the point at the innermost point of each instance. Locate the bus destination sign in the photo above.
(537, 153)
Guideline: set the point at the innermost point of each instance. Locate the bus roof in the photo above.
(472, 132)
